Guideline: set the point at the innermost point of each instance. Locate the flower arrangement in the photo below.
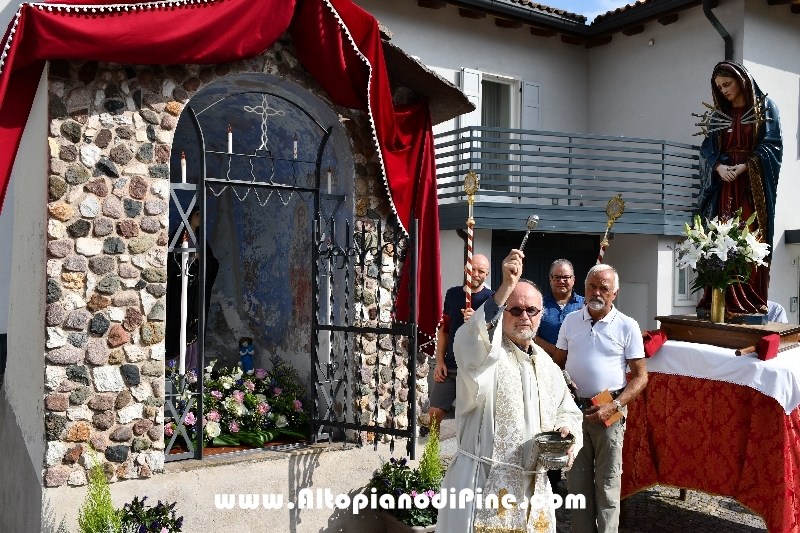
(396, 478)
(251, 408)
(723, 254)
(158, 519)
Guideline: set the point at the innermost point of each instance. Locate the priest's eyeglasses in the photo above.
(561, 278)
(517, 311)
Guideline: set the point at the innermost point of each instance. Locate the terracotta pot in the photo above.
(393, 525)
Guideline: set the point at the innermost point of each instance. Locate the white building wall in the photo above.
(22, 394)
(771, 43)
(441, 38)
(639, 90)
(636, 259)
(451, 248)
(7, 10)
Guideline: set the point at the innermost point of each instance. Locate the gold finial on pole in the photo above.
(614, 210)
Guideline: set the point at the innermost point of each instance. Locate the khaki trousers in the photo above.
(597, 474)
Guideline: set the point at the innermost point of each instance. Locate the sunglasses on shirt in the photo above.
(517, 311)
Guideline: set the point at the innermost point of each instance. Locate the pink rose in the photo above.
(298, 405)
(249, 385)
(413, 494)
(263, 408)
(190, 419)
(217, 395)
(164, 530)
(239, 395)
(168, 430)
(213, 416)
(261, 373)
(233, 427)
(277, 391)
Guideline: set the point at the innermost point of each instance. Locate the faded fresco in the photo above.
(263, 240)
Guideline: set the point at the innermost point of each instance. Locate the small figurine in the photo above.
(246, 354)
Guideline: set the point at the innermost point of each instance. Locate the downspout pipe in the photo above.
(720, 29)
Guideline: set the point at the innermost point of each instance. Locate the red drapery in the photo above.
(338, 43)
(719, 438)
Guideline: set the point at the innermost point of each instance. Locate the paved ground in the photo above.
(659, 509)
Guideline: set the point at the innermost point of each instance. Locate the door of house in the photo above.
(540, 252)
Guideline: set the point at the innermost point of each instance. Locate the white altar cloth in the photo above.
(778, 377)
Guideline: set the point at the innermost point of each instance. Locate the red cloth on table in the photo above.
(326, 36)
(719, 438)
(653, 340)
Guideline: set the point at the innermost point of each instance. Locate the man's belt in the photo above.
(585, 403)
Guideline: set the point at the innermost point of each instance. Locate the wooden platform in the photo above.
(689, 328)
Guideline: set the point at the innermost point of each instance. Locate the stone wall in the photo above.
(110, 136)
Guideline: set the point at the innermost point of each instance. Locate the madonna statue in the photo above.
(740, 160)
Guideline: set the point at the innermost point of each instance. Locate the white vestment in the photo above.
(495, 427)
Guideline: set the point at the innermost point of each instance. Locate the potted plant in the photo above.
(98, 515)
(396, 478)
(722, 255)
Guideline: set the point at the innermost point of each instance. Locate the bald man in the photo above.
(455, 313)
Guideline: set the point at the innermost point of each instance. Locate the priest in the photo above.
(507, 390)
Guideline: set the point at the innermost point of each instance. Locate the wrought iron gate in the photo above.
(355, 278)
(355, 271)
(179, 399)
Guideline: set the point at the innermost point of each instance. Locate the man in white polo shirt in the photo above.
(595, 345)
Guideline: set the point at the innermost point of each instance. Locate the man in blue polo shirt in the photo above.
(561, 301)
(454, 315)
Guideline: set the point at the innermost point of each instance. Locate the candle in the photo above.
(184, 304)
(329, 180)
(183, 167)
(295, 146)
(230, 139)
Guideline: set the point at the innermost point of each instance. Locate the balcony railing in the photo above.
(567, 179)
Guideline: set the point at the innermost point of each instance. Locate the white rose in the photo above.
(281, 422)
(212, 429)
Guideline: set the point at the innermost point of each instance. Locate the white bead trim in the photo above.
(68, 8)
(431, 339)
(369, 112)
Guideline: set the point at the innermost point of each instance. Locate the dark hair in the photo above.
(561, 262)
(725, 72)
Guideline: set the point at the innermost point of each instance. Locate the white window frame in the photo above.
(689, 298)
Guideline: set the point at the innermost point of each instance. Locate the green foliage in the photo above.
(97, 514)
(151, 519)
(431, 469)
(396, 478)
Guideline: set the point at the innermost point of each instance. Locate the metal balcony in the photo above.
(566, 179)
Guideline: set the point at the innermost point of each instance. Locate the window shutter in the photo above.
(471, 87)
(531, 116)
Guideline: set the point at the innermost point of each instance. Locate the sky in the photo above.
(588, 8)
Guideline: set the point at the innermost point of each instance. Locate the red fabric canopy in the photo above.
(338, 42)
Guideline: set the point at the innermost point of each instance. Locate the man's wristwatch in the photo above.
(619, 405)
